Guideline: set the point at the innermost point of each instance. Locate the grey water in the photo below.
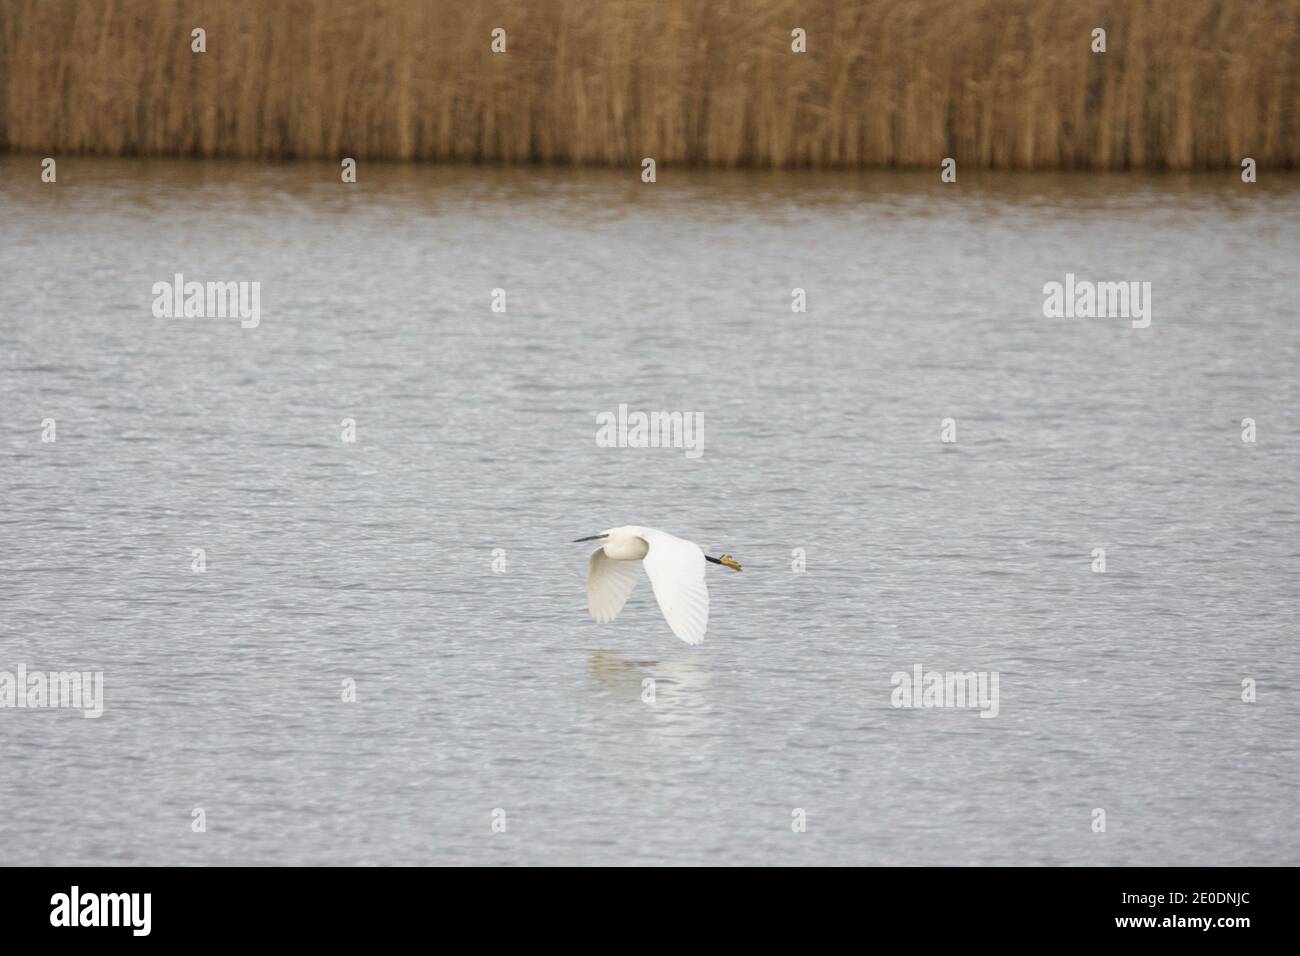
(427, 566)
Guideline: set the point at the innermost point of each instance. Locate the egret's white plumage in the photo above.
(609, 584)
(674, 565)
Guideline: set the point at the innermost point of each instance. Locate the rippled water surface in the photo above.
(480, 690)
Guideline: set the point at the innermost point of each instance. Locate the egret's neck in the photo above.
(625, 546)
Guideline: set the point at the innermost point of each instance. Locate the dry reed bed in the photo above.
(1185, 84)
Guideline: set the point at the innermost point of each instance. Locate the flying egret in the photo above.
(674, 565)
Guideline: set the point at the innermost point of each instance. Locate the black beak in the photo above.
(594, 537)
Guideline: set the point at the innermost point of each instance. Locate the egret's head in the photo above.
(594, 537)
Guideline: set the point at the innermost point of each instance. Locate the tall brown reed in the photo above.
(997, 83)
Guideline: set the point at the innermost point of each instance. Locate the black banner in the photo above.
(944, 906)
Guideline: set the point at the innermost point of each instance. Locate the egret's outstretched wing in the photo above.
(609, 583)
(676, 571)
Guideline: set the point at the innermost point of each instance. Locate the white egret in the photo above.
(675, 568)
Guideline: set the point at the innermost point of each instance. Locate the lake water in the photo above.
(482, 689)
